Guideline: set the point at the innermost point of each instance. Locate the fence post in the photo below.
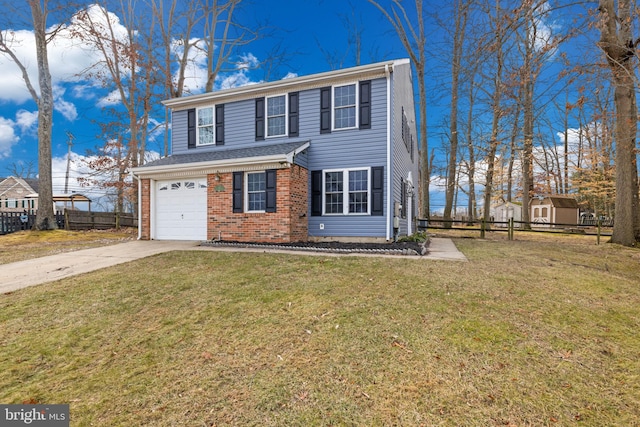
(598, 239)
(482, 228)
(510, 232)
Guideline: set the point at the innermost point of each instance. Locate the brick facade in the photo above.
(287, 224)
(145, 209)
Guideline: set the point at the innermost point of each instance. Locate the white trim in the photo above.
(245, 191)
(213, 126)
(276, 161)
(388, 168)
(345, 192)
(356, 106)
(362, 72)
(266, 116)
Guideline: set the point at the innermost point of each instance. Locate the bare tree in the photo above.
(413, 38)
(496, 105)
(616, 41)
(460, 15)
(25, 170)
(45, 217)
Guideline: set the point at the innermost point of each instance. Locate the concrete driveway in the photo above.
(36, 271)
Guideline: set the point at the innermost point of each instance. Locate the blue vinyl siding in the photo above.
(340, 149)
(344, 149)
(402, 164)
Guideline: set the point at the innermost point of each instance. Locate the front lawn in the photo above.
(526, 333)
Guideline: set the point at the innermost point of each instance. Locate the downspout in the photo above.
(139, 205)
(387, 73)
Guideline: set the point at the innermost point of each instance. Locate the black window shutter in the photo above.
(365, 104)
(191, 128)
(377, 190)
(403, 198)
(259, 119)
(220, 124)
(271, 190)
(293, 114)
(238, 178)
(325, 110)
(316, 193)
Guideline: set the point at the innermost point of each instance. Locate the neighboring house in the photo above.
(505, 211)
(16, 195)
(330, 156)
(554, 210)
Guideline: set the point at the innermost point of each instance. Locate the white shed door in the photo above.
(181, 209)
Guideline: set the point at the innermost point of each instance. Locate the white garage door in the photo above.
(181, 209)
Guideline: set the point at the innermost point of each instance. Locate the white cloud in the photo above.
(66, 108)
(290, 75)
(69, 57)
(113, 98)
(27, 120)
(8, 137)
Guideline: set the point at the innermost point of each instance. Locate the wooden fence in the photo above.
(598, 228)
(11, 222)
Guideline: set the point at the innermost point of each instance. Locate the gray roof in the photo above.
(220, 154)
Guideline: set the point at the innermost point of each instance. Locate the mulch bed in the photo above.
(392, 248)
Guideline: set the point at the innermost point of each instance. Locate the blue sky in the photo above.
(300, 26)
(307, 30)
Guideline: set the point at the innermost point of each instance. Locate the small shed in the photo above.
(549, 211)
(505, 211)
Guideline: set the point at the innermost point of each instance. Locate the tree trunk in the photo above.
(45, 217)
(460, 13)
(497, 113)
(617, 43)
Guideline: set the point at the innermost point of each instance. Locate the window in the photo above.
(12, 203)
(205, 126)
(344, 111)
(256, 192)
(176, 185)
(351, 186)
(277, 115)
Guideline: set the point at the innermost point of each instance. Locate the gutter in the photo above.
(217, 165)
(139, 204)
(284, 85)
(387, 72)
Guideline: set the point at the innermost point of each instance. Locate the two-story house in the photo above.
(329, 156)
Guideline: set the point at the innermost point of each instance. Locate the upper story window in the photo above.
(345, 106)
(205, 129)
(277, 116)
(205, 126)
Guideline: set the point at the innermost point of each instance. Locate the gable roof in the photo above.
(557, 201)
(362, 72)
(11, 182)
(224, 158)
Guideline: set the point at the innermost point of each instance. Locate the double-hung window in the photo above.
(346, 192)
(205, 128)
(345, 108)
(277, 115)
(256, 186)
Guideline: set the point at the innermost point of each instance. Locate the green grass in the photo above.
(526, 333)
(25, 245)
